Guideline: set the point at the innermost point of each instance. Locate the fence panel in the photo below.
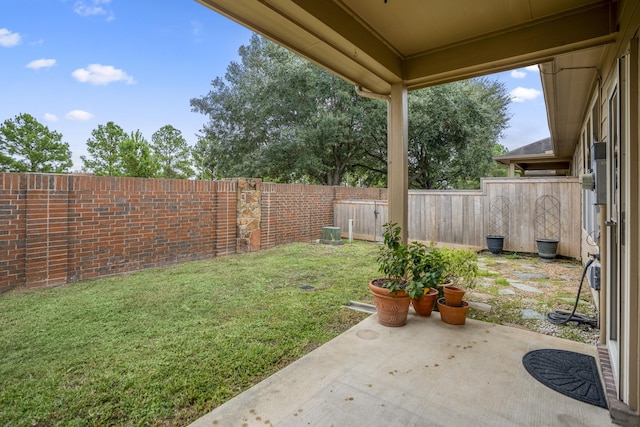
(464, 218)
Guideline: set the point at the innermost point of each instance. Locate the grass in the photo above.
(165, 346)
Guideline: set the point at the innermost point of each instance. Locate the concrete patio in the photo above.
(426, 373)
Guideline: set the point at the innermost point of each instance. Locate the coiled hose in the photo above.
(562, 317)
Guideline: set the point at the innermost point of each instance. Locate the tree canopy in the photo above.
(172, 153)
(26, 145)
(276, 116)
(113, 152)
(104, 150)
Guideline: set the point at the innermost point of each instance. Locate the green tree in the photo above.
(203, 159)
(279, 117)
(136, 157)
(104, 151)
(28, 146)
(453, 130)
(172, 153)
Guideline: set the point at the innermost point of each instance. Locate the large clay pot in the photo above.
(495, 244)
(392, 307)
(424, 305)
(453, 315)
(547, 249)
(453, 295)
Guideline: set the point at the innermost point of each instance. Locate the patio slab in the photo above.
(426, 373)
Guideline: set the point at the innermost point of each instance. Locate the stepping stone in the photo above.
(527, 267)
(480, 306)
(506, 292)
(501, 261)
(484, 284)
(526, 288)
(527, 313)
(544, 285)
(565, 278)
(531, 276)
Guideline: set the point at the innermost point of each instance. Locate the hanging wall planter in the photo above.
(547, 249)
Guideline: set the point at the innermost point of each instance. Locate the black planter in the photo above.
(494, 244)
(547, 249)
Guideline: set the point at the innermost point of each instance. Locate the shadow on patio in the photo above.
(426, 373)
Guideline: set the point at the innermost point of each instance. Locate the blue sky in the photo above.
(77, 64)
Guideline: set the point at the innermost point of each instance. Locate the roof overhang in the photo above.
(377, 43)
(529, 164)
(374, 43)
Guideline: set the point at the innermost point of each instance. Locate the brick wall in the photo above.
(58, 229)
(13, 230)
(296, 212)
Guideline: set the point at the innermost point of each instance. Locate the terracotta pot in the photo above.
(453, 315)
(453, 296)
(392, 307)
(424, 305)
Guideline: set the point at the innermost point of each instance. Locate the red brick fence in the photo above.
(58, 229)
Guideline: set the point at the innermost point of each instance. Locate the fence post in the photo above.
(248, 217)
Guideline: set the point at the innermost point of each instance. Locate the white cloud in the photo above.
(78, 115)
(41, 63)
(8, 38)
(48, 117)
(93, 8)
(521, 94)
(532, 68)
(517, 74)
(98, 74)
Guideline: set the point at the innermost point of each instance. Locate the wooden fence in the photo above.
(521, 209)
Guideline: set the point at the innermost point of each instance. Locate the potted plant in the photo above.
(461, 269)
(411, 273)
(426, 270)
(389, 292)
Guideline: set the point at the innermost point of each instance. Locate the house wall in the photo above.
(618, 229)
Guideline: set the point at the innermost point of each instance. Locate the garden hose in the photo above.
(562, 317)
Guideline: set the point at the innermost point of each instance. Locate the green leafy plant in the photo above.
(461, 267)
(426, 269)
(413, 268)
(393, 259)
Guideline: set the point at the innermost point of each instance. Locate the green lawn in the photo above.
(165, 346)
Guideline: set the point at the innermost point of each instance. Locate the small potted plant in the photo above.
(461, 269)
(426, 271)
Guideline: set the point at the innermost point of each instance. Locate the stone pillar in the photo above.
(248, 214)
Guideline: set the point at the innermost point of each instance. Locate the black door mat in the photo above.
(572, 374)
